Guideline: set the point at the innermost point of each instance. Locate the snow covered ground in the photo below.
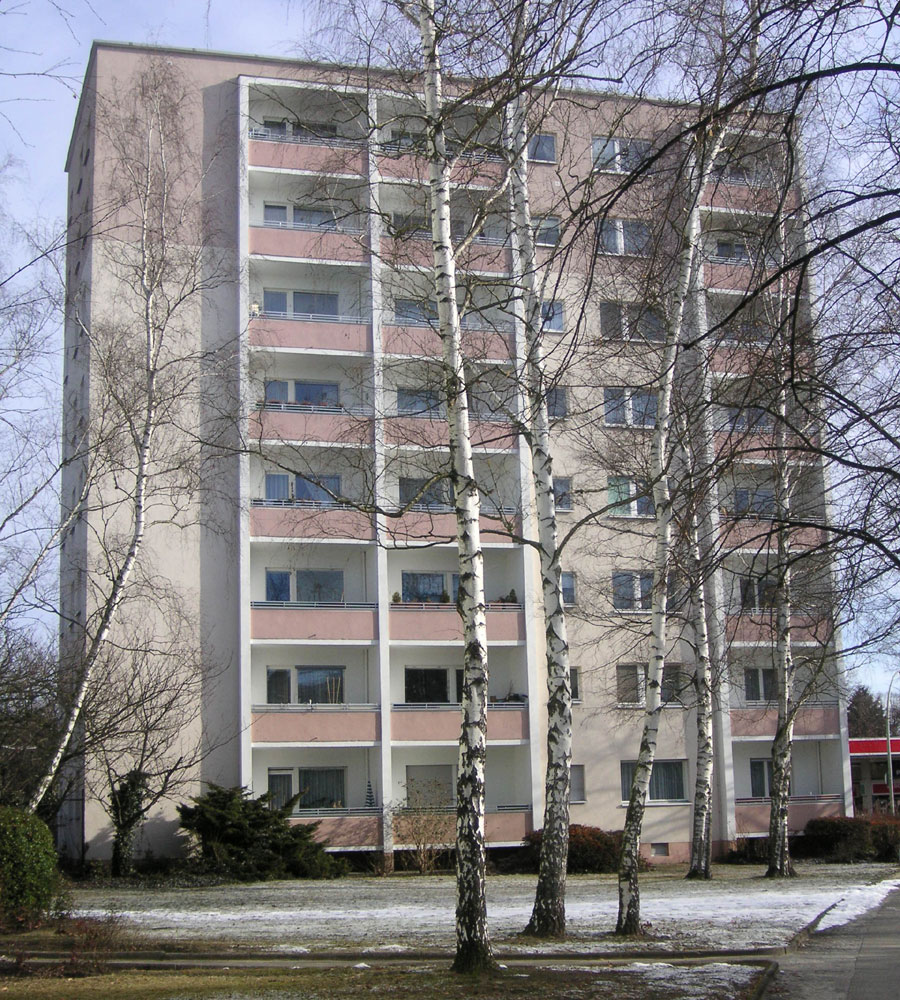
(737, 910)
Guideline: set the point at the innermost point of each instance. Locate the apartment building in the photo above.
(323, 582)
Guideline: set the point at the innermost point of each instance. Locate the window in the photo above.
(630, 683)
(761, 778)
(278, 686)
(624, 236)
(630, 497)
(632, 591)
(576, 783)
(542, 148)
(320, 586)
(278, 585)
(429, 786)
(746, 418)
(318, 394)
(562, 493)
(568, 587)
(552, 317)
(405, 224)
(274, 128)
(546, 231)
(757, 592)
(276, 392)
(631, 322)
(423, 493)
(317, 489)
(759, 684)
(321, 788)
(316, 304)
(314, 218)
(557, 403)
(425, 684)
(417, 401)
(320, 685)
(275, 302)
(731, 251)
(280, 789)
(314, 130)
(675, 686)
(666, 780)
(275, 215)
(573, 680)
(415, 311)
(757, 501)
(424, 588)
(619, 155)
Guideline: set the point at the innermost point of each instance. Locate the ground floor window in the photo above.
(280, 788)
(666, 780)
(321, 788)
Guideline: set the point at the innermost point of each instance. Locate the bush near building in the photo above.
(29, 878)
(592, 851)
(851, 838)
(248, 839)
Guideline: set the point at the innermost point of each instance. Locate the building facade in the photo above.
(319, 574)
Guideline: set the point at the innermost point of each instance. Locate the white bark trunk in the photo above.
(473, 950)
(548, 917)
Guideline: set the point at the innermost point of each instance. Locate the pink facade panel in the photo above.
(424, 623)
(345, 831)
(759, 627)
(443, 724)
(811, 721)
(305, 522)
(423, 340)
(314, 623)
(276, 242)
(507, 827)
(305, 335)
(288, 425)
(752, 818)
(758, 533)
(419, 252)
(325, 725)
(425, 524)
(303, 156)
(434, 433)
(464, 171)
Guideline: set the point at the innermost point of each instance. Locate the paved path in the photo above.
(859, 961)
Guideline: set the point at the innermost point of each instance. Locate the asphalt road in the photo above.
(858, 961)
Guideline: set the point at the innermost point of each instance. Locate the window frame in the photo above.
(641, 600)
(536, 141)
(618, 163)
(342, 769)
(638, 672)
(553, 316)
(637, 501)
(615, 238)
(563, 500)
(577, 769)
(279, 772)
(658, 766)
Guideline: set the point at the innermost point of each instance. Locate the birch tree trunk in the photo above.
(548, 917)
(473, 949)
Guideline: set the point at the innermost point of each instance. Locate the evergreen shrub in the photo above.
(29, 878)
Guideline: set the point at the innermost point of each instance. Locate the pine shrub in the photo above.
(29, 877)
(247, 839)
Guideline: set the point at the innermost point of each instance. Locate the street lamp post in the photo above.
(890, 759)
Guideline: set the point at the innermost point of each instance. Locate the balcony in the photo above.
(399, 161)
(345, 243)
(338, 155)
(441, 722)
(308, 519)
(302, 422)
(292, 620)
(482, 254)
(315, 724)
(813, 720)
(441, 623)
(758, 626)
(759, 533)
(310, 332)
(752, 815)
(360, 827)
(508, 824)
(481, 340)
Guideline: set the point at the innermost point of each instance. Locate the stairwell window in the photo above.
(546, 231)
(562, 493)
(624, 237)
(630, 497)
(542, 148)
(576, 783)
(759, 684)
(632, 591)
(619, 155)
(568, 588)
(552, 316)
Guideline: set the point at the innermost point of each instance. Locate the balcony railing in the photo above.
(270, 135)
(310, 605)
(314, 706)
(303, 504)
(316, 227)
(466, 323)
(336, 408)
(310, 317)
(443, 706)
(339, 811)
(434, 606)
(406, 148)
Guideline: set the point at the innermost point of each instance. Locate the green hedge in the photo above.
(851, 838)
(28, 874)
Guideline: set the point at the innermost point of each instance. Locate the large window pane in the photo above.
(275, 303)
(666, 780)
(643, 408)
(423, 684)
(562, 492)
(422, 492)
(628, 686)
(280, 788)
(417, 400)
(605, 151)
(623, 591)
(317, 393)
(320, 685)
(278, 486)
(576, 786)
(635, 237)
(619, 495)
(567, 580)
(542, 148)
(321, 489)
(320, 586)
(414, 311)
(275, 215)
(278, 585)
(611, 320)
(614, 399)
(552, 316)
(321, 788)
(276, 392)
(278, 686)
(316, 303)
(424, 588)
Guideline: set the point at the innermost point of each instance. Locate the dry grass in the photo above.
(396, 983)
